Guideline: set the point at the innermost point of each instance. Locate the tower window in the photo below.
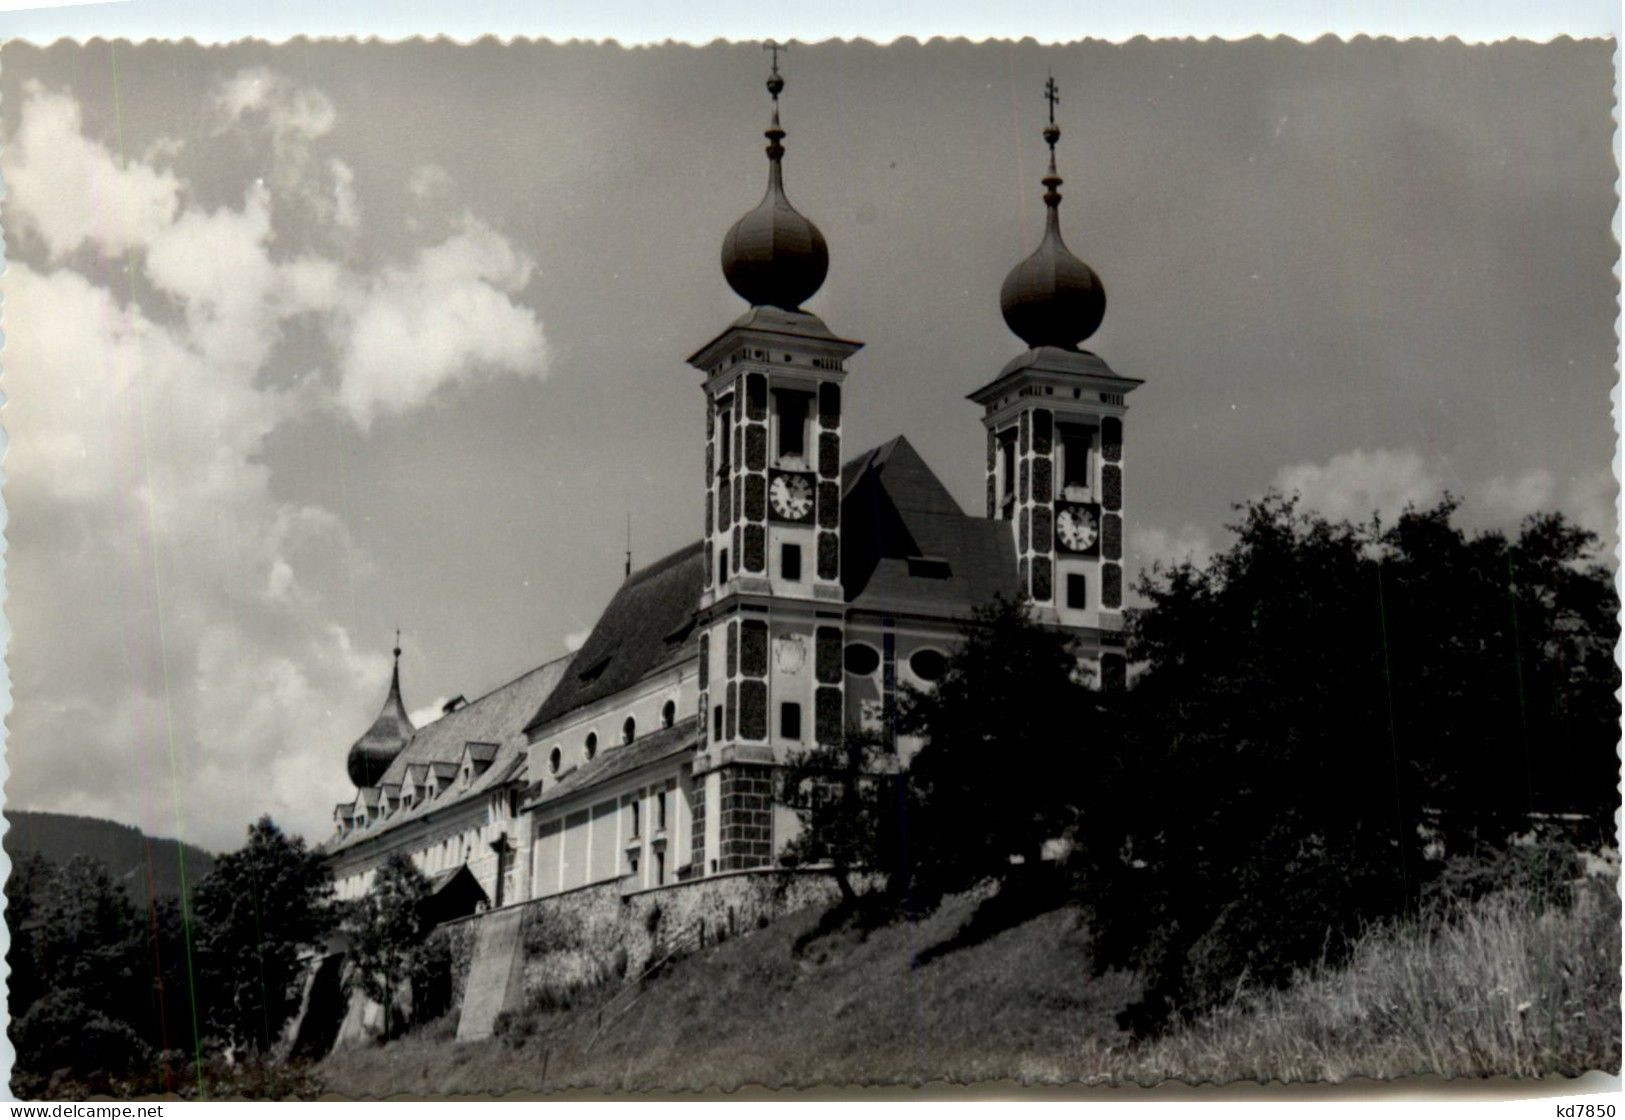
(716, 722)
(1077, 444)
(629, 730)
(725, 436)
(790, 721)
(1007, 474)
(668, 713)
(792, 407)
(790, 562)
(722, 565)
(1077, 590)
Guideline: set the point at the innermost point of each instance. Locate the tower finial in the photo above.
(1052, 133)
(397, 643)
(774, 256)
(628, 544)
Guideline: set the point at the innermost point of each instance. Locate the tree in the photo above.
(1317, 711)
(846, 796)
(1008, 734)
(385, 927)
(257, 912)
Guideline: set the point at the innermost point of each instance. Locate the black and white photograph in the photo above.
(540, 566)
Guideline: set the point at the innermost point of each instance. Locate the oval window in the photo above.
(629, 730)
(668, 713)
(592, 744)
(861, 660)
(555, 760)
(928, 664)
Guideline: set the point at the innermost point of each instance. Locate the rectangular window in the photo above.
(725, 436)
(790, 562)
(660, 869)
(790, 721)
(792, 407)
(636, 823)
(716, 722)
(1077, 590)
(1077, 444)
(1007, 474)
(660, 811)
(722, 566)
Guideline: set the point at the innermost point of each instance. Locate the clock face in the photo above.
(791, 496)
(1077, 527)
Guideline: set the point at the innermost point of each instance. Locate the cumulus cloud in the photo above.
(71, 190)
(176, 659)
(1152, 544)
(446, 317)
(1355, 484)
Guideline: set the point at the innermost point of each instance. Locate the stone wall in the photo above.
(599, 935)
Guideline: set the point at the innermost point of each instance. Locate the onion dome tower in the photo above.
(389, 733)
(774, 382)
(774, 256)
(1054, 421)
(1052, 298)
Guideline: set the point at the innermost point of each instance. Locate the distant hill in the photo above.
(145, 863)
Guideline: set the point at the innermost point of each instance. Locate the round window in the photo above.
(555, 759)
(928, 664)
(861, 660)
(592, 744)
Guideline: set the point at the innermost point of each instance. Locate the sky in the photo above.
(306, 342)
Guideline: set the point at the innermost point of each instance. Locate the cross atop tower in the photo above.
(1052, 94)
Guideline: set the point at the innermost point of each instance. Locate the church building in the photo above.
(824, 581)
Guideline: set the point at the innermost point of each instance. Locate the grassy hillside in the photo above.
(148, 866)
(1503, 990)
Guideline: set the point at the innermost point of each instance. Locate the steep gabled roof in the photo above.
(908, 548)
(647, 625)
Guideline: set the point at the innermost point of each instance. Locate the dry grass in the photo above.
(1501, 988)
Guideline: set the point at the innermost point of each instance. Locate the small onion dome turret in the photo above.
(1052, 298)
(389, 733)
(774, 256)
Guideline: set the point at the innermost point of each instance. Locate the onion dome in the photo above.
(773, 256)
(389, 733)
(1052, 298)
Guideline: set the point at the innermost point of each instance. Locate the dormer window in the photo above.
(555, 759)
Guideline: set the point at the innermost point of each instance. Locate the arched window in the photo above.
(629, 730)
(861, 660)
(928, 664)
(591, 744)
(555, 759)
(668, 713)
